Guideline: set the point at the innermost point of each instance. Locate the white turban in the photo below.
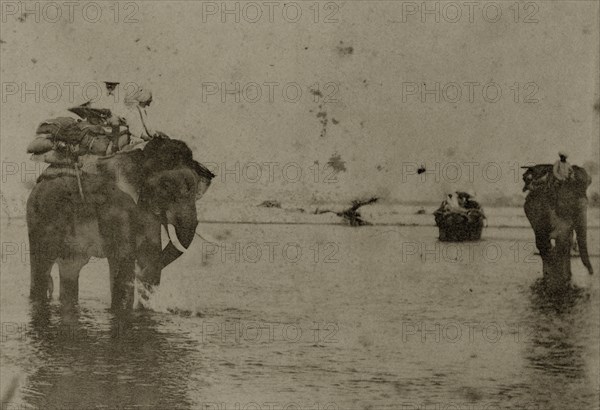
(141, 95)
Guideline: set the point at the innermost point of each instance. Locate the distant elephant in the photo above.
(555, 209)
(68, 225)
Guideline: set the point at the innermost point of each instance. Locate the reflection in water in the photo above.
(94, 362)
(561, 331)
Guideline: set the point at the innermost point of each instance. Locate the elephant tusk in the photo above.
(164, 237)
(174, 239)
(207, 238)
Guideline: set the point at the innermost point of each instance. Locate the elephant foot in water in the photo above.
(146, 283)
(143, 292)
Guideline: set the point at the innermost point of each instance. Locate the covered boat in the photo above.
(459, 218)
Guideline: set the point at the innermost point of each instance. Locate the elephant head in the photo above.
(171, 196)
(169, 182)
(555, 210)
(173, 182)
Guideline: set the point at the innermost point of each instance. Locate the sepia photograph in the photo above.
(300, 205)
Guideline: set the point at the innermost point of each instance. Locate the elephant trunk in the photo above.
(581, 231)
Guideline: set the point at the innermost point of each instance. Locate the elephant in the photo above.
(115, 213)
(555, 209)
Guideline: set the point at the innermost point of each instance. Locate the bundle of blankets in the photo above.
(62, 140)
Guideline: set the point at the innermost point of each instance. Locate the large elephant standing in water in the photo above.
(68, 224)
(555, 210)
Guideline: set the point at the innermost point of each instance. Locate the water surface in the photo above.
(380, 317)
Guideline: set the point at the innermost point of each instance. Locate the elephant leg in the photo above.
(149, 259)
(117, 225)
(149, 252)
(121, 261)
(119, 243)
(557, 264)
(542, 242)
(42, 257)
(69, 269)
(41, 287)
(540, 220)
(122, 271)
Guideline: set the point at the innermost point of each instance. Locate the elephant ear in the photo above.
(528, 179)
(536, 176)
(170, 154)
(582, 181)
(581, 176)
(159, 191)
(167, 187)
(205, 177)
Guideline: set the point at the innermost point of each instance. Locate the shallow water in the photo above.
(308, 316)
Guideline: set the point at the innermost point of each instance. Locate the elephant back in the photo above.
(166, 154)
(125, 166)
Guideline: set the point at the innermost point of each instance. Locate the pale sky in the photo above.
(372, 57)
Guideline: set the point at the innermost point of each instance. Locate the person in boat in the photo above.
(451, 202)
(562, 170)
(467, 200)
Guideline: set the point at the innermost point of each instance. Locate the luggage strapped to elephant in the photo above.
(62, 140)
